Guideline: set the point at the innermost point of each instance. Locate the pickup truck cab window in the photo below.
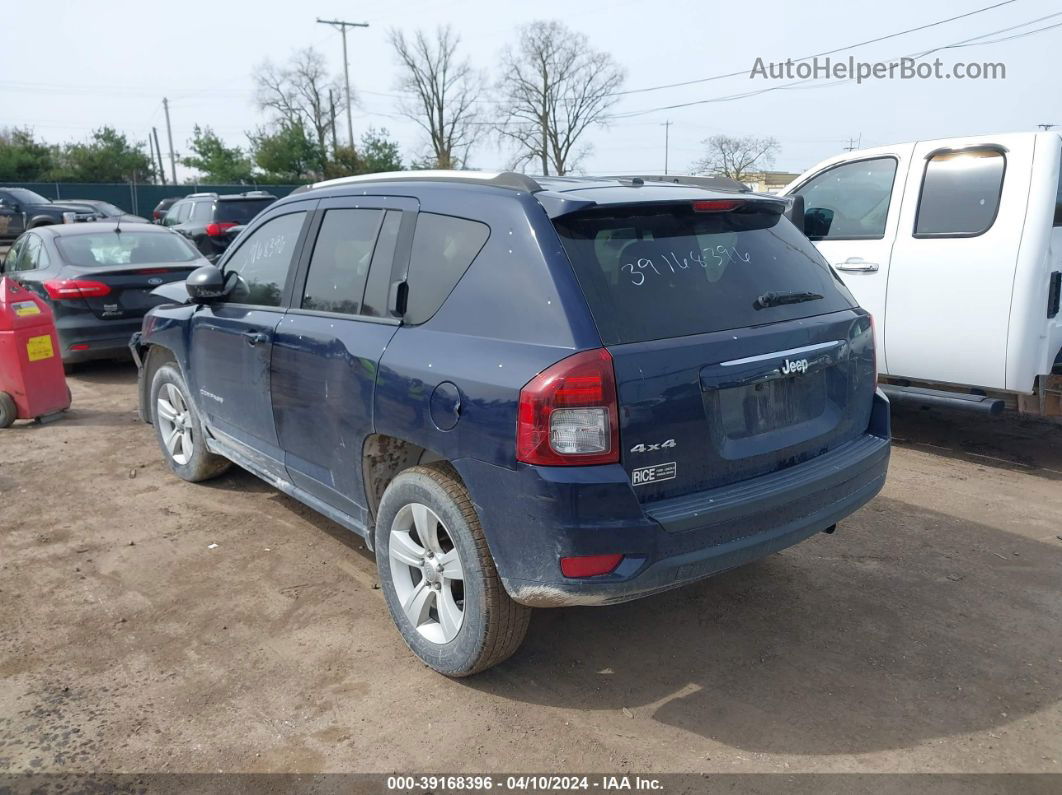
(849, 201)
(263, 261)
(960, 193)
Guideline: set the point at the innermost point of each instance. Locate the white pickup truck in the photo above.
(955, 247)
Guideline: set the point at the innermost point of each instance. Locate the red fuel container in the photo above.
(32, 382)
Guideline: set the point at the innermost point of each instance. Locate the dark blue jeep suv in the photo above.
(526, 392)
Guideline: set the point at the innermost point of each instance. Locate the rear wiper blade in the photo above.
(777, 299)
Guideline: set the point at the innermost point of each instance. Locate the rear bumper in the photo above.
(533, 516)
(106, 339)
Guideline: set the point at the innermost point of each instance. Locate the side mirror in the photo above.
(205, 284)
(794, 211)
(817, 222)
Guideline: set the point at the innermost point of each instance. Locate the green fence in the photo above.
(135, 199)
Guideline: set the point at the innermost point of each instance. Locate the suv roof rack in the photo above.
(203, 195)
(712, 183)
(501, 179)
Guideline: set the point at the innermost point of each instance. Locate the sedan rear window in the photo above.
(124, 248)
(659, 271)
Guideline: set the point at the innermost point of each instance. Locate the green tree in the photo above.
(23, 158)
(107, 157)
(378, 152)
(215, 161)
(287, 153)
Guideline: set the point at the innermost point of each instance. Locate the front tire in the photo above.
(179, 429)
(439, 578)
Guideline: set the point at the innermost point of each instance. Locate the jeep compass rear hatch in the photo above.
(737, 351)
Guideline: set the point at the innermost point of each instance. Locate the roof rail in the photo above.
(501, 179)
(204, 195)
(711, 183)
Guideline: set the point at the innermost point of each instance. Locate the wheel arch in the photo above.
(39, 221)
(384, 457)
(155, 357)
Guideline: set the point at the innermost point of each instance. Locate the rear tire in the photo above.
(179, 429)
(8, 410)
(426, 532)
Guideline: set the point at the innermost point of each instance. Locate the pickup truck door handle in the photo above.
(856, 265)
(255, 337)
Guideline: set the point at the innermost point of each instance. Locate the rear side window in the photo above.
(655, 272)
(849, 202)
(263, 261)
(443, 248)
(340, 261)
(379, 283)
(201, 211)
(240, 211)
(960, 193)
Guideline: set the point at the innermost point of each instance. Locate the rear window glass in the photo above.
(240, 211)
(657, 272)
(124, 248)
(960, 193)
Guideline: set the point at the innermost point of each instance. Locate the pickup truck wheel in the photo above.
(438, 576)
(179, 431)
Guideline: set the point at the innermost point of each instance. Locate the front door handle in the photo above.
(255, 337)
(856, 265)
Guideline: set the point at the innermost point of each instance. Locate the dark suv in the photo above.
(526, 392)
(207, 218)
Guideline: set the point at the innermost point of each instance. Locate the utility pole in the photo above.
(332, 117)
(667, 142)
(342, 26)
(158, 151)
(169, 135)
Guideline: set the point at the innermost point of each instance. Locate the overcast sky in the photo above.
(69, 67)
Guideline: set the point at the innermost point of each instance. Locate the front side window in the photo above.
(263, 261)
(340, 261)
(850, 201)
(960, 193)
(443, 248)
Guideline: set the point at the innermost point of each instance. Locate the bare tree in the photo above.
(298, 93)
(736, 158)
(553, 88)
(443, 93)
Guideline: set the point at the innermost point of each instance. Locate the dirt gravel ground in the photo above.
(923, 636)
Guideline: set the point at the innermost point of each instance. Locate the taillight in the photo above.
(568, 414)
(216, 230)
(73, 289)
(716, 205)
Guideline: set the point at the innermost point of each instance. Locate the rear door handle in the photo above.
(255, 337)
(856, 265)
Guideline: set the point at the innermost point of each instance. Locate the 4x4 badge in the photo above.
(649, 448)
